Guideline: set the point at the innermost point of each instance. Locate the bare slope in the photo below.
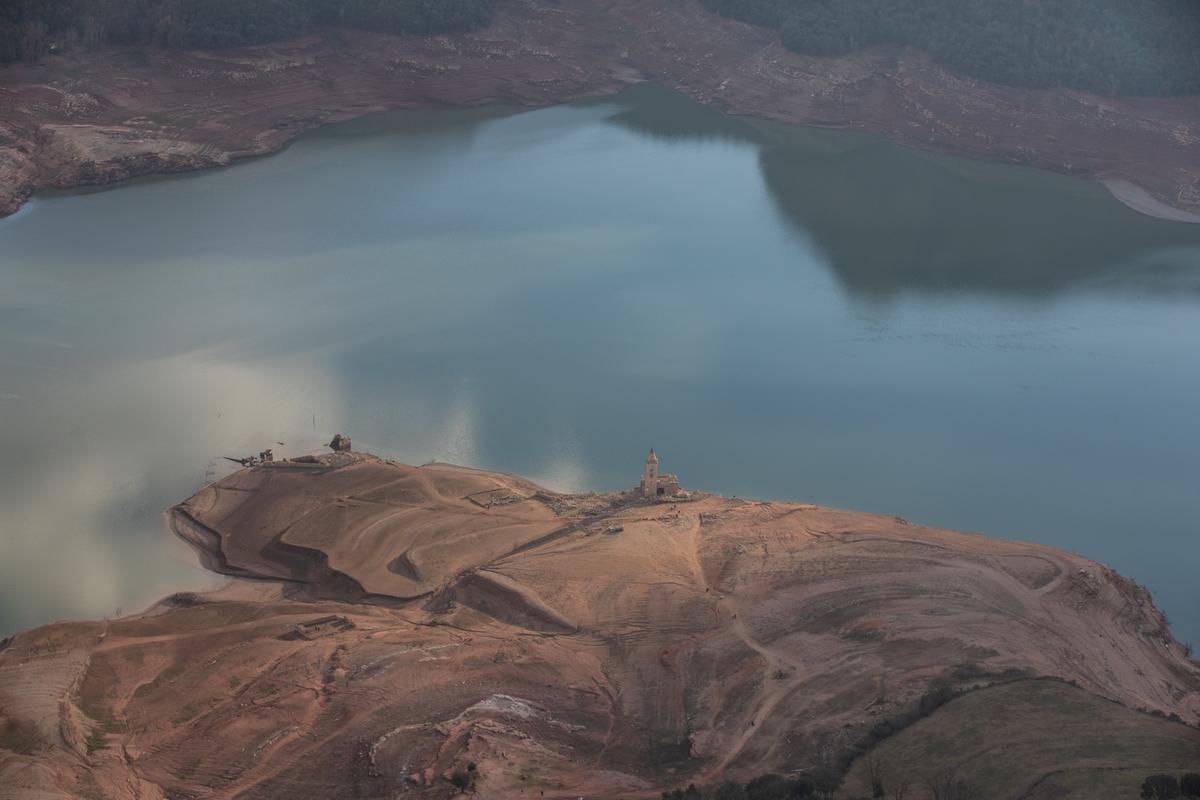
(99, 117)
(488, 621)
(363, 527)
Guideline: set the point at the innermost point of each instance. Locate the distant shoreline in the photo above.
(1142, 201)
(94, 118)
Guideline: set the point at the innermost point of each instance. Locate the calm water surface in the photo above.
(782, 313)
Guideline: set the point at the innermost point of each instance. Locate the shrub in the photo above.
(769, 787)
(1189, 785)
(826, 784)
(946, 785)
(940, 692)
(1160, 787)
(462, 780)
(731, 790)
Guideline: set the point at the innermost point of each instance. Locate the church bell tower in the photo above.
(650, 476)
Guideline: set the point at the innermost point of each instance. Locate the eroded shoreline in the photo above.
(602, 645)
(97, 118)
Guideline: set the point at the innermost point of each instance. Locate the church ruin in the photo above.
(1190, 195)
(655, 484)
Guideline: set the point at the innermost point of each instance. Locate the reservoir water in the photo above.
(781, 312)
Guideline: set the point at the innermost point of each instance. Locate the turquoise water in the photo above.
(781, 312)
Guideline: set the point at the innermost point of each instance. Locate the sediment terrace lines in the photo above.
(661, 645)
(387, 517)
(39, 689)
(120, 643)
(769, 696)
(505, 599)
(263, 766)
(526, 548)
(390, 529)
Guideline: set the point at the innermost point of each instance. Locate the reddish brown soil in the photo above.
(505, 626)
(90, 118)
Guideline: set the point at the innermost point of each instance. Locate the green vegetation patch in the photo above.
(29, 28)
(1031, 738)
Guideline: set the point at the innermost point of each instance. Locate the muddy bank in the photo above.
(95, 118)
(1141, 200)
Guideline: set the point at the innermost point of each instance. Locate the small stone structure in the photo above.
(322, 626)
(655, 484)
(340, 444)
(1190, 195)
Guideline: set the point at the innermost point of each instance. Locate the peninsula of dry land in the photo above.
(414, 628)
(97, 117)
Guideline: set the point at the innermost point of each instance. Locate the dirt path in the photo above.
(772, 693)
(266, 766)
(168, 638)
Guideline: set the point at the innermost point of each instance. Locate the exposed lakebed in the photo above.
(781, 312)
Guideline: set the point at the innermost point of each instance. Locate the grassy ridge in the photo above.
(1033, 739)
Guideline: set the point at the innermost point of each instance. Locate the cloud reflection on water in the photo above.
(794, 315)
(100, 449)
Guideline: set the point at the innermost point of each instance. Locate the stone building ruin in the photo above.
(1190, 195)
(656, 484)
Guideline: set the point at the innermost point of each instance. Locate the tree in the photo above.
(874, 767)
(945, 784)
(34, 39)
(1189, 785)
(769, 787)
(826, 783)
(731, 790)
(940, 692)
(1160, 787)
(465, 781)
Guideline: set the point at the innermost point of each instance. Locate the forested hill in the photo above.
(1115, 47)
(1131, 47)
(29, 27)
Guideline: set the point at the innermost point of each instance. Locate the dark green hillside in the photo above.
(1141, 47)
(29, 27)
(1138, 47)
(1030, 739)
